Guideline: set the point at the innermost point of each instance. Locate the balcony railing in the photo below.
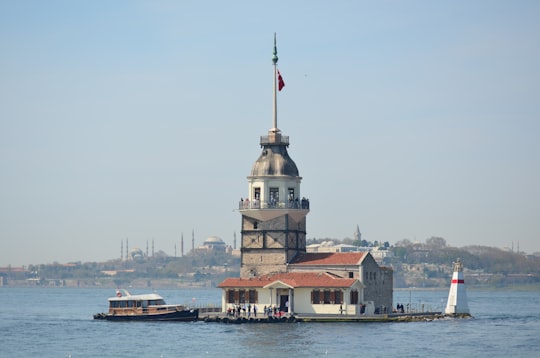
(275, 139)
(246, 204)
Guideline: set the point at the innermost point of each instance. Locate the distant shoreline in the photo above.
(531, 287)
(187, 286)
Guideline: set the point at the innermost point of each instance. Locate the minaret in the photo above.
(457, 297)
(182, 245)
(357, 234)
(273, 214)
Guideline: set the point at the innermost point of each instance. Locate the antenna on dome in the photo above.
(274, 61)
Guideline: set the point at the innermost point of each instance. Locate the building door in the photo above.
(284, 303)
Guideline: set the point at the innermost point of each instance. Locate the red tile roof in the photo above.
(293, 279)
(329, 258)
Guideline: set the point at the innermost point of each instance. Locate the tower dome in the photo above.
(274, 160)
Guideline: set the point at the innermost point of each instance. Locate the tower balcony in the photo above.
(274, 139)
(291, 204)
(266, 211)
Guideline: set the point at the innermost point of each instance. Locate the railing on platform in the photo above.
(275, 139)
(245, 204)
(205, 307)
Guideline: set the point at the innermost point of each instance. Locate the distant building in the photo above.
(213, 243)
(329, 246)
(136, 254)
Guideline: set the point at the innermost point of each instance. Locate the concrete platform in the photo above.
(401, 317)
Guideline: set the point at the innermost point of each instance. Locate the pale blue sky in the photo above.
(141, 120)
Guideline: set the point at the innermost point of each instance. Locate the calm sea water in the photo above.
(57, 322)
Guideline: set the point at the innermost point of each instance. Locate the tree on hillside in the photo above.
(435, 242)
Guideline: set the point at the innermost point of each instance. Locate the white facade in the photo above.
(300, 300)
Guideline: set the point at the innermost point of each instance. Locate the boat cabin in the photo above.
(127, 304)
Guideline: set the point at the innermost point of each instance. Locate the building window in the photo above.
(290, 196)
(315, 297)
(291, 193)
(242, 296)
(351, 275)
(338, 297)
(230, 296)
(253, 296)
(354, 297)
(255, 225)
(274, 197)
(327, 298)
(256, 200)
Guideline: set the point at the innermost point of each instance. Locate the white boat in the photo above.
(146, 307)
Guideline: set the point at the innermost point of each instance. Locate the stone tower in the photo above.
(273, 213)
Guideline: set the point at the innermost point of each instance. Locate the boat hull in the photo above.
(177, 316)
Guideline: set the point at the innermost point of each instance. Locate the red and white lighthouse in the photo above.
(457, 297)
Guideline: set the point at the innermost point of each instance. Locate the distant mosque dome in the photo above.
(274, 160)
(213, 243)
(136, 253)
(213, 240)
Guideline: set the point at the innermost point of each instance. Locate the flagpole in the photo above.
(275, 60)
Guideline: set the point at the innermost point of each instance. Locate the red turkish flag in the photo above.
(281, 83)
